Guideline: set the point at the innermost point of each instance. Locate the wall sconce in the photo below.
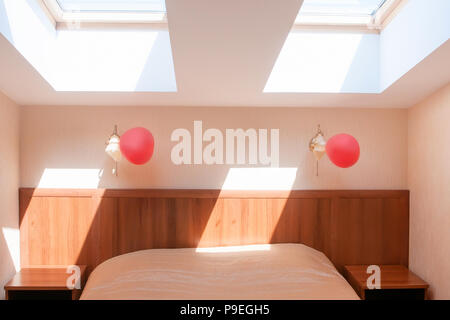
(113, 149)
(317, 146)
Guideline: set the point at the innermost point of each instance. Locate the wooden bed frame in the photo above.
(61, 227)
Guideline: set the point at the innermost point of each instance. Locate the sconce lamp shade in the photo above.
(318, 145)
(113, 148)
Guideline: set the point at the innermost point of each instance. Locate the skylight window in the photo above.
(113, 5)
(341, 7)
(369, 14)
(340, 12)
(107, 11)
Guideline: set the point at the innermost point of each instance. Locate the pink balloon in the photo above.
(137, 145)
(343, 150)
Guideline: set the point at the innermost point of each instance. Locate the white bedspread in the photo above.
(280, 271)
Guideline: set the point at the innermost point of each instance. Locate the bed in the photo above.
(266, 272)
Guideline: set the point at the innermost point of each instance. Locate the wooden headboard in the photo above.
(60, 227)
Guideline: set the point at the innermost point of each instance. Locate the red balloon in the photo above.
(137, 145)
(343, 150)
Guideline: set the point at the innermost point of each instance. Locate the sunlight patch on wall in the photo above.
(12, 238)
(256, 247)
(260, 179)
(326, 62)
(70, 178)
(233, 222)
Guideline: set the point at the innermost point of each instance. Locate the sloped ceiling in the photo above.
(223, 54)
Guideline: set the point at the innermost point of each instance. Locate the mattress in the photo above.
(259, 272)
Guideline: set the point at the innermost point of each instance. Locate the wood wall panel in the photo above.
(91, 226)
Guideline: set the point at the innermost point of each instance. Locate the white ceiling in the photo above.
(223, 55)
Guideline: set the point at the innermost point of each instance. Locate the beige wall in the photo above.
(429, 182)
(9, 183)
(74, 138)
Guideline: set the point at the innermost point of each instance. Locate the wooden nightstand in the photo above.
(397, 283)
(43, 283)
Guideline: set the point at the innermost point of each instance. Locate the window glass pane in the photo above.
(340, 7)
(113, 5)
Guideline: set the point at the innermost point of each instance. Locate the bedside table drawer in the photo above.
(46, 283)
(396, 282)
(394, 294)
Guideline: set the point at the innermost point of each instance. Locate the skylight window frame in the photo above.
(363, 23)
(62, 17)
(366, 23)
